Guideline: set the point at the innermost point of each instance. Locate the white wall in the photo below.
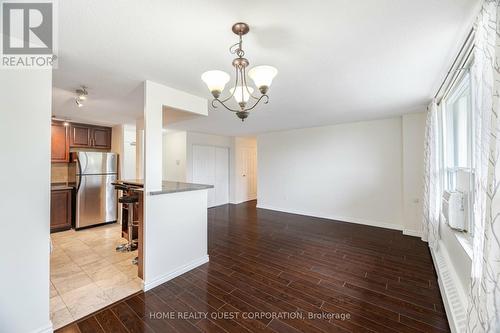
(453, 267)
(164, 212)
(157, 96)
(413, 132)
(117, 146)
(129, 152)
(174, 156)
(25, 110)
(461, 262)
(350, 172)
(139, 148)
(177, 242)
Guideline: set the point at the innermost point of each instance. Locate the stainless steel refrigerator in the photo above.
(96, 199)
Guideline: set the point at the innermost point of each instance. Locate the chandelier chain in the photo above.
(239, 48)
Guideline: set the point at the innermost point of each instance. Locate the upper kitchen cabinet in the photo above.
(102, 137)
(60, 142)
(88, 136)
(80, 136)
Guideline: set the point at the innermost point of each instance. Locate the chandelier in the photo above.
(262, 77)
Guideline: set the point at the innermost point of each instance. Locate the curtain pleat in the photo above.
(432, 190)
(484, 300)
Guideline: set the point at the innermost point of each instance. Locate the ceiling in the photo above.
(338, 60)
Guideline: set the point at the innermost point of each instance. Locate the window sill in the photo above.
(464, 239)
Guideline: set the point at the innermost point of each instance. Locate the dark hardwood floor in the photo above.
(278, 272)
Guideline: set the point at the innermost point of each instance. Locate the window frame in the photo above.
(460, 82)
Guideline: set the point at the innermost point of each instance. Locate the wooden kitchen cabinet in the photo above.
(88, 136)
(102, 137)
(80, 136)
(60, 210)
(59, 142)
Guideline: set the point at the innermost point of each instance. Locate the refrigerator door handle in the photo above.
(80, 176)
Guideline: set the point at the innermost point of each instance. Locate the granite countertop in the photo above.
(62, 186)
(137, 182)
(174, 187)
(168, 186)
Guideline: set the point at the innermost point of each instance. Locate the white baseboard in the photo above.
(237, 202)
(46, 329)
(455, 302)
(415, 233)
(175, 273)
(336, 218)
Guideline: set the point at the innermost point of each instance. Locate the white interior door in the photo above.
(252, 173)
(211, 167)
(248, 173)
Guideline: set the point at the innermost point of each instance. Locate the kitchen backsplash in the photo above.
(62, 173)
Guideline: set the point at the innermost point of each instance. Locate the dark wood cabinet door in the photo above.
(60, 142)
(102, 137)
(60, 210)
(80, 136)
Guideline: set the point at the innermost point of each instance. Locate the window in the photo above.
(457, 142)
(457, 133)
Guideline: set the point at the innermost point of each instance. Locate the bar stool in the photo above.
(129, 200)
(120, 187)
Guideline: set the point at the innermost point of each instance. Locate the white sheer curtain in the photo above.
(484, 303)
(432, 188)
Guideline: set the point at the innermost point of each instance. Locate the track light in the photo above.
(82, 96)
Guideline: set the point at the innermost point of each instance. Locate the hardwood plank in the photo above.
(266, 265)
(72, 328)
(157, 305)
(129, 319)
(90, 325)
(144, 312)
(109, 322)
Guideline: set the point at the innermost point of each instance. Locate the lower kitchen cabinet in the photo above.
(60, 210)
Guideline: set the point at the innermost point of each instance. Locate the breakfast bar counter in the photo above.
(168, 186)
(172, 231)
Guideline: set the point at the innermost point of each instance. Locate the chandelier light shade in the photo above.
(215, 81)
(262, 77)
(243, 94)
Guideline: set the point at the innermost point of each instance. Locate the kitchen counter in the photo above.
(136, 182)
(168, 186)
(62, 186)
(174, 187)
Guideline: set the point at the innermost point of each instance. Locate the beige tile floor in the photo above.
(86, 273)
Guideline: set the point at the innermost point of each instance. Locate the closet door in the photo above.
(221, 176)
(204, 169)
(211, 167)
